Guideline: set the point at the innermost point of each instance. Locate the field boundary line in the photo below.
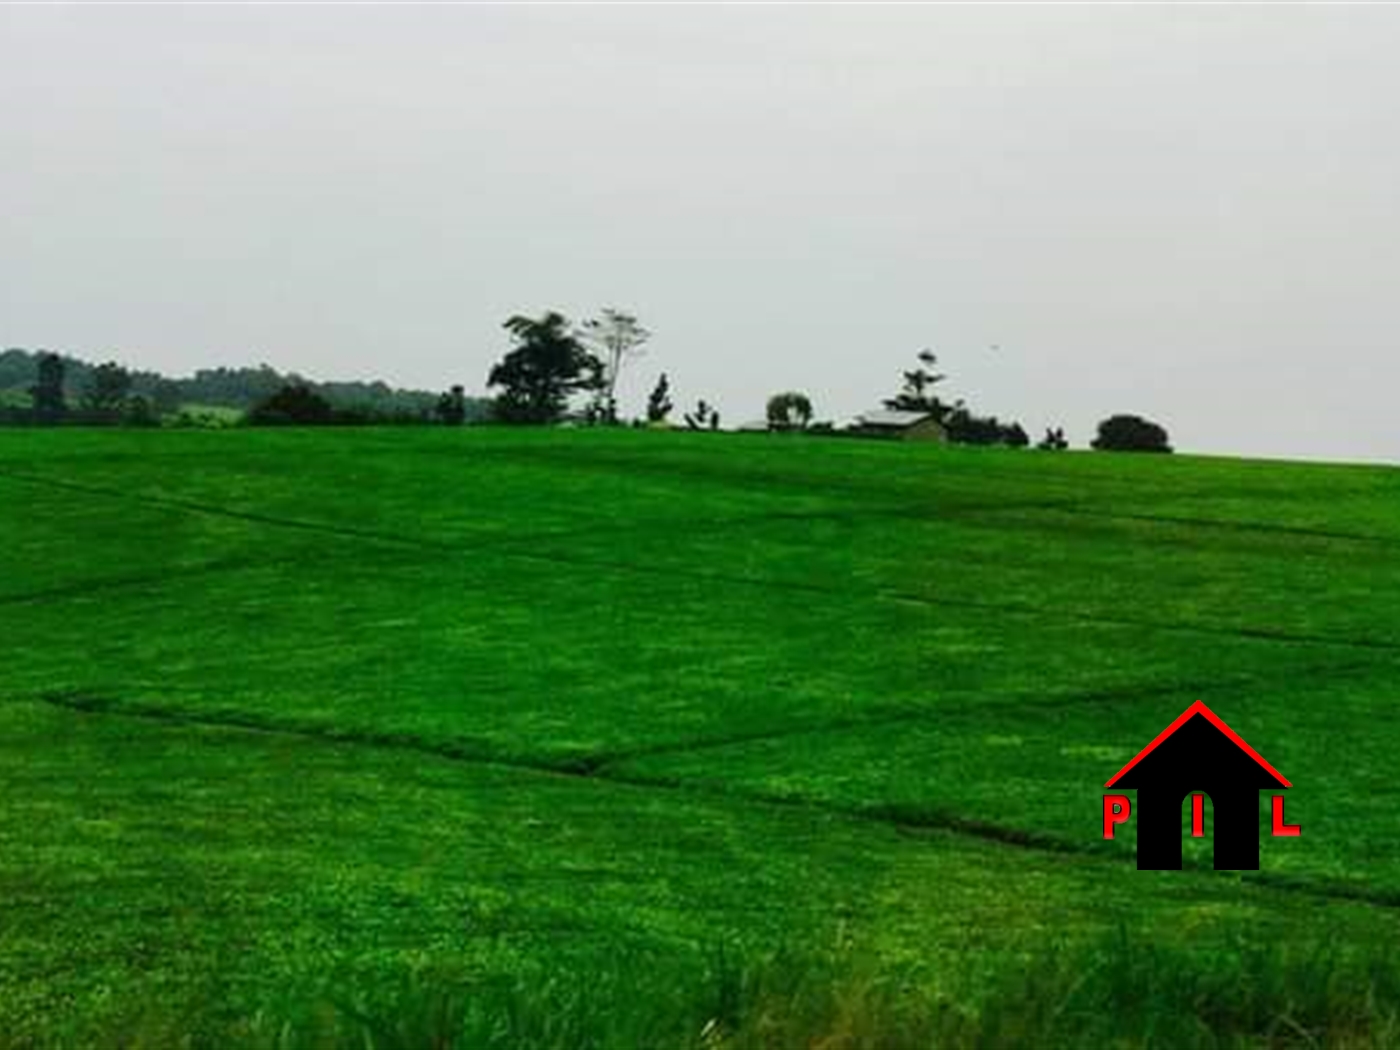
(896, 714)
(900, 817)
(252, 517)
(1077, 509)
(104, 585)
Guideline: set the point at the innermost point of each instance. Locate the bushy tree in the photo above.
(965, 428)
(790, 410)
(108, 387)
(1053, 441)
(294, 405)
(1126, 433)
(547, 366)
(659, 402)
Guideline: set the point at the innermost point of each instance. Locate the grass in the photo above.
(392, 737)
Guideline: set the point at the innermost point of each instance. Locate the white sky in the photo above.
(1192, 213)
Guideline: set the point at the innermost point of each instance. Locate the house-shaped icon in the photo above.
(1198, 753)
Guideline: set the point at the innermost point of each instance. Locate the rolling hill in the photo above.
(598, 732)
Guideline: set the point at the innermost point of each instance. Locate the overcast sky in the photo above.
(1189, 213)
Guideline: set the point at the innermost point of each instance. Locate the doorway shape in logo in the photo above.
(1197, 753)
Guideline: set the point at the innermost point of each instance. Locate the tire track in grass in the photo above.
(902, 818)
(509, 548)
(137, 581)
(600, 762)
(1077, 509)
(1024, 609)
(484, 543)
(213, 509)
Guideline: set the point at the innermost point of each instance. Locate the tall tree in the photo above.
(47, 393)
(619, 338)
(917, 394)
(659, 403)
(547, 366)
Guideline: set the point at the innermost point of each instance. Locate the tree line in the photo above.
(553, 362)
(48, 388)
(554, 371)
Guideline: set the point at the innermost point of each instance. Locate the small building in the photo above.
(900, 425)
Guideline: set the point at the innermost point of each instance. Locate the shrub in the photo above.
(294, 405)
(964, 428)
(1130, 434)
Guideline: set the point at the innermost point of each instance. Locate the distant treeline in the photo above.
(555, 373)
(95, 393)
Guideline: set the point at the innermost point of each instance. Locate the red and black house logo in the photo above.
(1199, 755)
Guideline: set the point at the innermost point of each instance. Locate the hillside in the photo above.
(474, 709)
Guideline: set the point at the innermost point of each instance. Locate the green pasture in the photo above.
(292, 719)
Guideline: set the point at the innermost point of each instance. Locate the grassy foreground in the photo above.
(491, 737)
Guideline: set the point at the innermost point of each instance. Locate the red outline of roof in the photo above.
(1198, 708)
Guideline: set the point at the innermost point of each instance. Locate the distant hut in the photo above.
(901, 425)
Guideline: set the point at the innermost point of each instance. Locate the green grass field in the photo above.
(376, 737)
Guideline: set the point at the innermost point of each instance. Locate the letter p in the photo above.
(1116, 810)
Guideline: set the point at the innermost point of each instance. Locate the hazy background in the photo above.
(1186, 213)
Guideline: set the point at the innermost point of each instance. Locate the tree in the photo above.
(966, 428)
(165, 397)
(47, 392)
(619, 338)
(1126, 433)
(547, 365)
(791, 410)
(659, 402)
(917, 394)
(1053, 441)
(296, 404)
(138, 411)
(452, 406)
(107, 389)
